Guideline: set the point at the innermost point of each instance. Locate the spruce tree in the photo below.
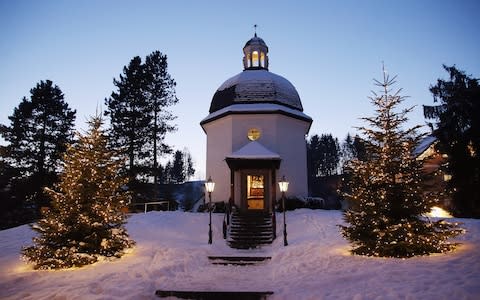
(86, 219)
(385, 190)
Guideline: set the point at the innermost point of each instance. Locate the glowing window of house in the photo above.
(255, 59)
(471, 149)
(262, 59)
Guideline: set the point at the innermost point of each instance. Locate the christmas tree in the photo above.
(86, 220)
(385, 191)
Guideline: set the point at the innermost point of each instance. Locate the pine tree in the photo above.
(457, 129)
(86, 219)
(130, 115)
(160, 92)
(386, 190)
(347, 150)
(188, 168)
(138, 113)
(323, 155)
(40, 129)
(313, 159)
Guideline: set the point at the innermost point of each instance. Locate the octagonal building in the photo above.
(256, 134)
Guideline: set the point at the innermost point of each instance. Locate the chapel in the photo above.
(256, 134)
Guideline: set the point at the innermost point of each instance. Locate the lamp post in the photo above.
(210, 186)
(283, 185)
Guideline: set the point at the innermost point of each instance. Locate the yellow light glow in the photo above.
(255, 59)
(438, 212)
(253, 134)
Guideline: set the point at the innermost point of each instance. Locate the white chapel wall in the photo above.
(219, 145)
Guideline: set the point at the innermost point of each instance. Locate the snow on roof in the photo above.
(254, 150)
(424, 144)
(256, 86)
(257, 108)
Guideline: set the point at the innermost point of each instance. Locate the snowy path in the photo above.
(172, 253)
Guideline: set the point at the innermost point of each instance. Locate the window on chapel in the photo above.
(255, 60)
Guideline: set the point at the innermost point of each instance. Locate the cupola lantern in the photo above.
(255, 54)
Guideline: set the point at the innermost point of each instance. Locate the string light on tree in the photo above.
(386, 188)
(86, 220)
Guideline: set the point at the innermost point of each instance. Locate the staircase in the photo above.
(238, 260)
(250, 230)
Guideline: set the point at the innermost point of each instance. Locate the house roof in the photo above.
(424, 144)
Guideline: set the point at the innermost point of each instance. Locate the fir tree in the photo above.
(386, 191)
(86, 219)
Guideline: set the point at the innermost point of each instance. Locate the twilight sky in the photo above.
(329, 50)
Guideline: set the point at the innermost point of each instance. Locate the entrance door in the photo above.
(256, 192)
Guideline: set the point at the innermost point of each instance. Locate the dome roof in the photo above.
(256, 86)
(256, 41)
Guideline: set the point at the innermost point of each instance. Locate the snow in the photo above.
(262, 85)
(259, 108)
(424, 144)
(254, 150)
(172, 250)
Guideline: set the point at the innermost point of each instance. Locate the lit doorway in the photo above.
(255, 192)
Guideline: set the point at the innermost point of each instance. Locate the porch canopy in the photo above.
(253, 156)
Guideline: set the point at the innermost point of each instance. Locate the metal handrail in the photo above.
(226, 220)
(145, 204)
(274, 225)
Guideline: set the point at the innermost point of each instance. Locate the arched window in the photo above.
(262, 59)
(255, 59)
(249, 61)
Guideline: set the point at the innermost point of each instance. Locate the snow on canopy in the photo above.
(254, 150)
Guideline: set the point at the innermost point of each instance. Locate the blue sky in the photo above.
(330, 51)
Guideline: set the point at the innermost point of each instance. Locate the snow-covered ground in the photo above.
(172, 250)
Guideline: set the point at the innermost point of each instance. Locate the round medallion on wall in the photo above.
(253, 134)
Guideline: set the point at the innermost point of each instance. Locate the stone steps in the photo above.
(238, 260)
(215, 295)
(250, 230)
